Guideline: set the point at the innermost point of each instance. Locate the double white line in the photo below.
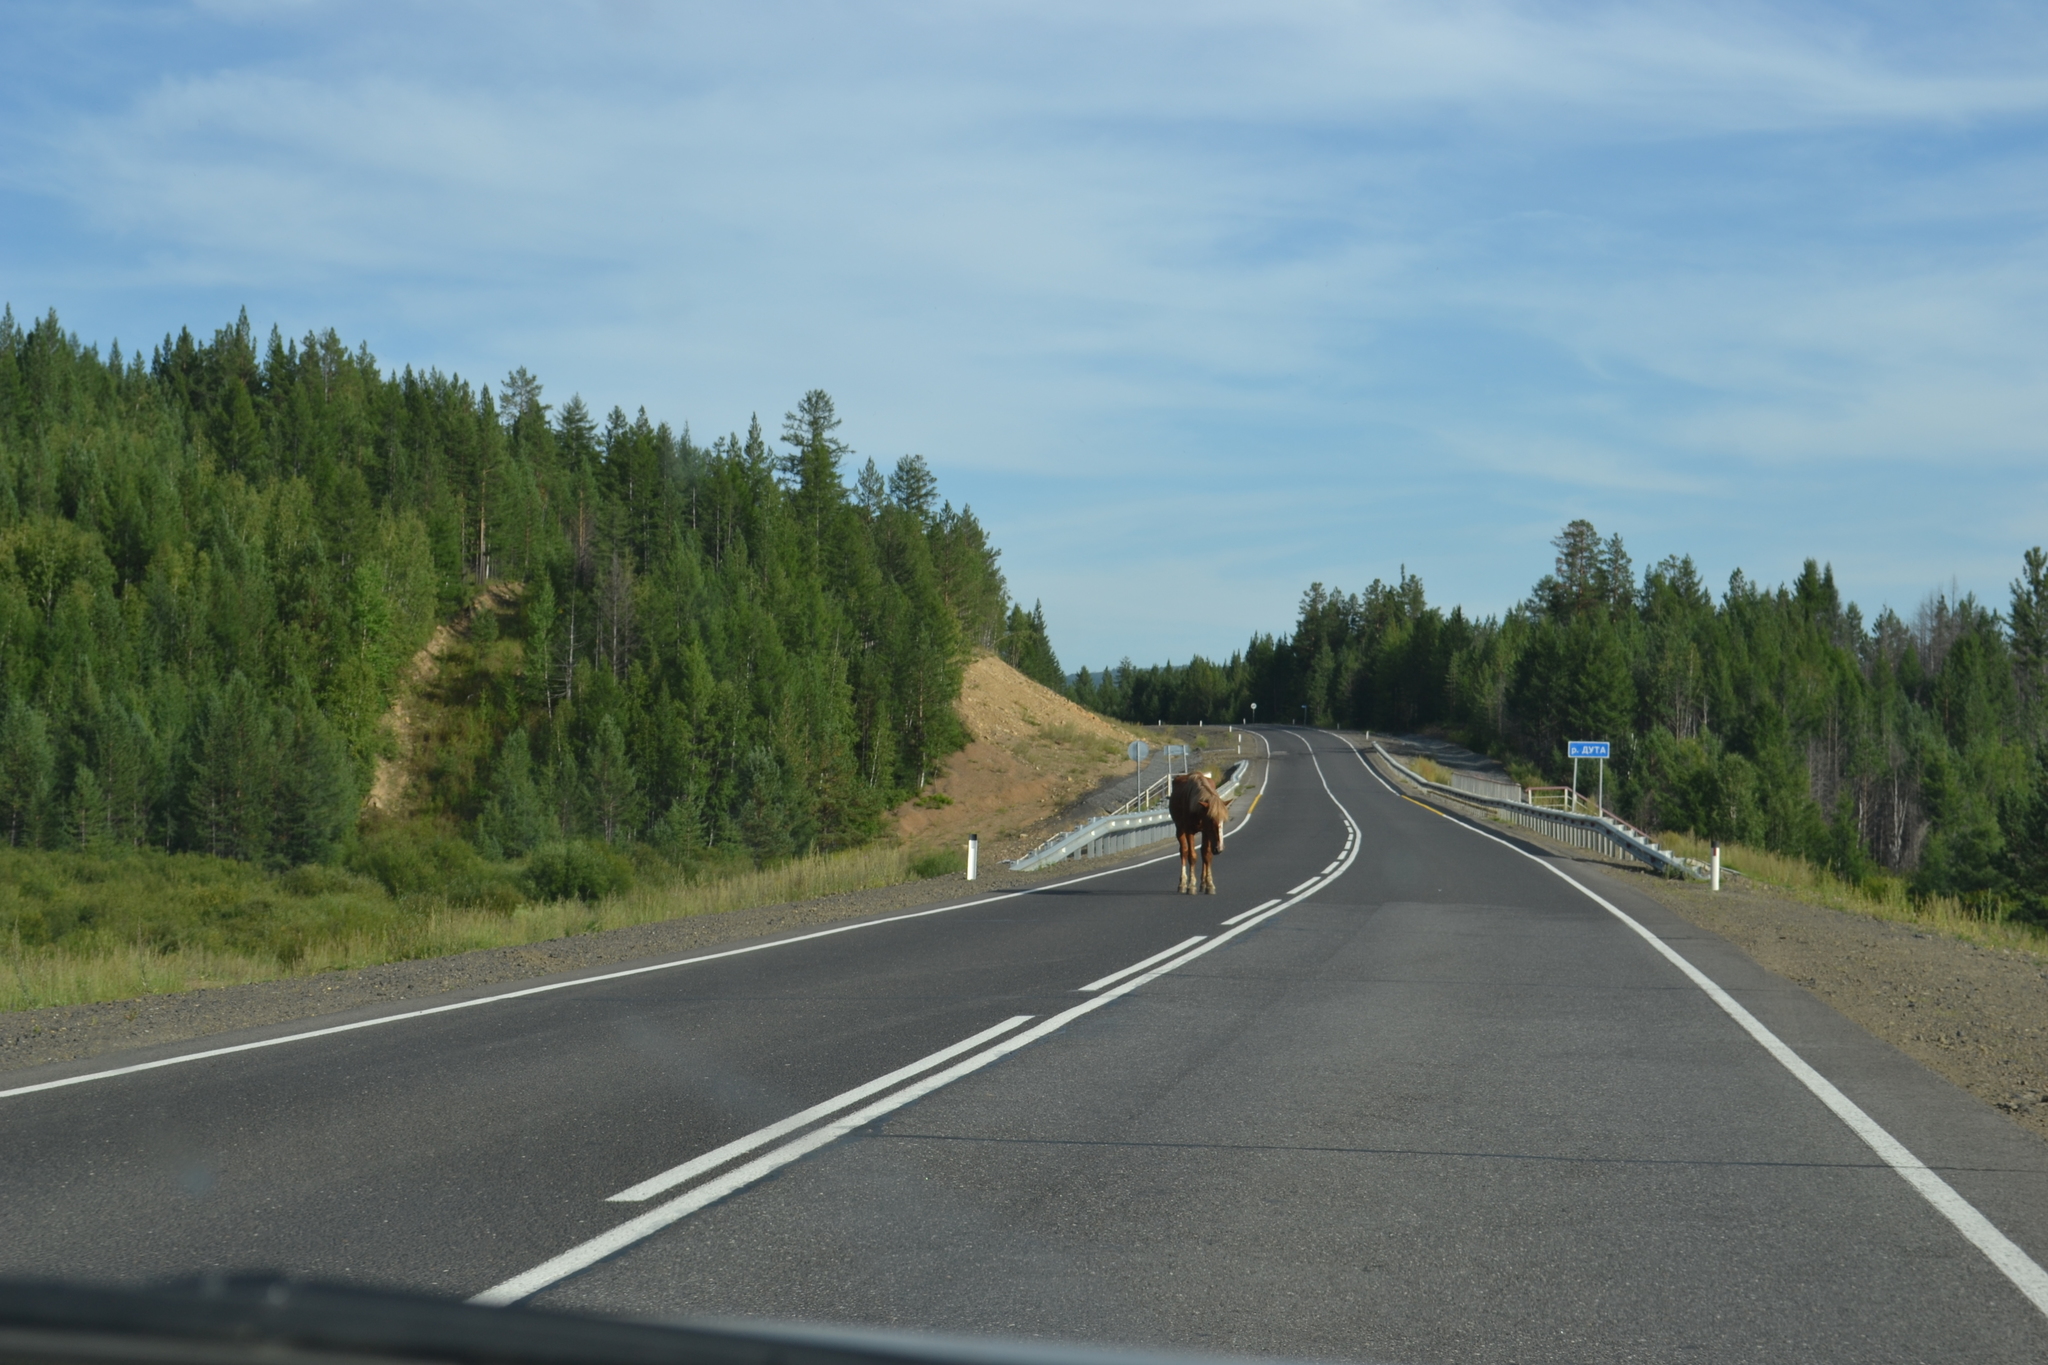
(733, 1181)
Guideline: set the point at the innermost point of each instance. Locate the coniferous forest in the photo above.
(1776, 717)
(217, 563)
(218, 560)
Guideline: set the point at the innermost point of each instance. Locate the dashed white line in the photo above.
(589, 1253)
(682, 1206)
(718, 1156)
(1306, 885)
(1137, 967)
(551, 986)
(1247, 914)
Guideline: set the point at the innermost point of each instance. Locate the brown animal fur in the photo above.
(1198, 813)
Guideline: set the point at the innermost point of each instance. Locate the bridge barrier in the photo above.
(1596, 833)
(1114, 833)
(1487, 787)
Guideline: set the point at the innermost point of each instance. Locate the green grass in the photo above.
(80, 928)
(938, 863)
(1880, 896)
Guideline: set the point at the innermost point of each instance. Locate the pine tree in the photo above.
(230, 790)
(27, 763)
(89, 826)
(514, 819)
(913, 488)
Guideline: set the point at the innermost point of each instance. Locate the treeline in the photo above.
(216, 561)
(1772, 716)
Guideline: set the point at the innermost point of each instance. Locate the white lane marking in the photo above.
(383, 1019)
(2023, 1270)
(718, 1156)
(1331, 868)
(1305, 885)
(1247, 914)
(589, 1253)
(1135, 967)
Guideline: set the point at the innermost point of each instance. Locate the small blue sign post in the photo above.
(1576, 749)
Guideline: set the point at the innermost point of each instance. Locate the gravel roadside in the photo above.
(1976, 1016)
(64, 1033)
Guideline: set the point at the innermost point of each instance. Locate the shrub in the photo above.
(938, 863)
(576, 870)
(419, 859)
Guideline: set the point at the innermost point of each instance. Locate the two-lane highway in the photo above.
(1401, 1091)
(455, 1149)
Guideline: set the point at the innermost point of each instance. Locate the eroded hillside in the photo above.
(1033, 754)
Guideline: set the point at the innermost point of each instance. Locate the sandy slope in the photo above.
(1034, 753)
(410, 719)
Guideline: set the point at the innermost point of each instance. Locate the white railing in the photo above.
(1120, 830)
(1601, 832)
(1486, 786)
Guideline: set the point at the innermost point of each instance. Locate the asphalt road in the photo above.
(1437, 1103)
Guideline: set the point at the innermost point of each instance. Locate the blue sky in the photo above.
(1194, 303)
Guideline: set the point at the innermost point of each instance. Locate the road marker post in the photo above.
(973, 855)
(1717, 865)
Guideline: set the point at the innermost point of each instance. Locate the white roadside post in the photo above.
(1717, 865)
(973, 855)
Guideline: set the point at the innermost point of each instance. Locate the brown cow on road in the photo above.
(1198, 813)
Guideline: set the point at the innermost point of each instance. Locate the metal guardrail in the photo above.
(1114, 833)
(1598, 833)
(1486, 786)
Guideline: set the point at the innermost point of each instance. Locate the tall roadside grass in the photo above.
(1429, 768)
(80, 929)
(1879, 896)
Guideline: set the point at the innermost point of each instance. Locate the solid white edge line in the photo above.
(1247, 914)
(1135, 967)
(1305, 885)
(382, 1019)
(761, 1137)
(2011, 1259)
(587, 1254)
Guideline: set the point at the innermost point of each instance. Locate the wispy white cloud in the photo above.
(1503, 261)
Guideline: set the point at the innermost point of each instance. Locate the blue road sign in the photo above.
(1585, 748)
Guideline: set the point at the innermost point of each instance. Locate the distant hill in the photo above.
(221, 563)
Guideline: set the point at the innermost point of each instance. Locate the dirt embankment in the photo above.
(416, 713)
(1033, 755)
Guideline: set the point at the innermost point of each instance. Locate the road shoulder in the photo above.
(135, 1030)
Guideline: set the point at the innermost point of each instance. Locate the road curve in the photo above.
(1399, 1092)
